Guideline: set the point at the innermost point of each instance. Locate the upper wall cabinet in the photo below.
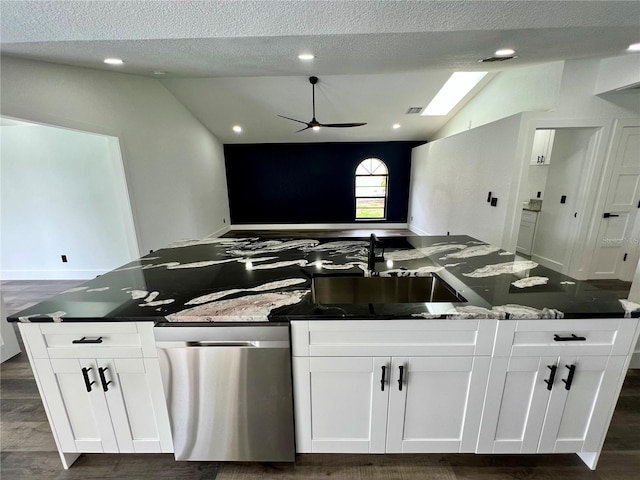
(542, 145)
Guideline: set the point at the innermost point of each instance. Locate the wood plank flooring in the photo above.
(27, 448)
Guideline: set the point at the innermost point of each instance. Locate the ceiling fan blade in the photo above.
(303, 129)
(342, 125)
(289, 118)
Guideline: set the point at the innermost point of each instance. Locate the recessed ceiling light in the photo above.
(316, 128)
(237, 128)
(396, 125)
(159, 72)
(113, 61)
(306, 56)
(505, 52)
(454, 90)
(634, 47)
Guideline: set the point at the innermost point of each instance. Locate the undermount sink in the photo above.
(327, 290)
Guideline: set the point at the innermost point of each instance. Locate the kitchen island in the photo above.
(521, 360)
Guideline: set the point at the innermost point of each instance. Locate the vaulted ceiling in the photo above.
(235, 62)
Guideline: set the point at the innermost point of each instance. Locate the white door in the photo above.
(577, 417)
(515, 404)
(140, 423)
(437, 406)
(80, 417)
(622, 204)
(348, 404)
(558, 218)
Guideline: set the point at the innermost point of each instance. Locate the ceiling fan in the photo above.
(315, 124)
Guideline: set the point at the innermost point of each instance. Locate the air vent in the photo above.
(498, 59)
(414, 110)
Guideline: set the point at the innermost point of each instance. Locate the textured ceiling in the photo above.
(234, 62)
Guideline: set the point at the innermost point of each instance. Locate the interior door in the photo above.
(620, 213)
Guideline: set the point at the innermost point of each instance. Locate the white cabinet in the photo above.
(527, 232)
(553, 385)
(375, 404)
(111, 401)
(542, 146)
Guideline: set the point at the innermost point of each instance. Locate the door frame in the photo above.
(595, 174)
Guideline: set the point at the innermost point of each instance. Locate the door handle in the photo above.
(85, 375)
(569, 380)
(609, 215)
(103, 379)
(382, 379)
(552, 376)
(400, 380)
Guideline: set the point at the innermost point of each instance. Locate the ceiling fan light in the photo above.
(315, 128)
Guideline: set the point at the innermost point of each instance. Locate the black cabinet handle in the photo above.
(382, 379)
(401, 367)
(85, 375)
(552, 376)
(88, 340)
(569, 380)
(609, 215)
(103, 379)
(572, 338)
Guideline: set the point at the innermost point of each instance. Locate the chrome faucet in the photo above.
(371, 257)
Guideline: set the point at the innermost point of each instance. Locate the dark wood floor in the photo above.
(27, 448)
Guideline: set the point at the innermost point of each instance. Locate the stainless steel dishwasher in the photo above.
(228, 391)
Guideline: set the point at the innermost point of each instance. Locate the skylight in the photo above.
(454, 90)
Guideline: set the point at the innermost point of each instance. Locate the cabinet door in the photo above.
(136, 404)
(525, 237)
(577, 418)
(515, 404)
(438, 405)
(542, 146)
(348, 404)
(80, 418)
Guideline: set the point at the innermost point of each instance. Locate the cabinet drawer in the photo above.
(560, 337)
(90, 340)
(394, 337)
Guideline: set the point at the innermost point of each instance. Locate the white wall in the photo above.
(63, 192)
(537, 180)
(451, 178)
(173, 164)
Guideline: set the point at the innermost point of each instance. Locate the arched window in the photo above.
(371, 190)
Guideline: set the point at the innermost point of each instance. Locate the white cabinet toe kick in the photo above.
(443, 386)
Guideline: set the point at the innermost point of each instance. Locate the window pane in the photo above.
(371, 181)
(370, 202)
(371, 191)
(370, 213)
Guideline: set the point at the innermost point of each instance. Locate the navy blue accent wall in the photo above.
(310, 182)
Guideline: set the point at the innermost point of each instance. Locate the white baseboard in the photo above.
(416, 230)
(320, 226)
(219, 233)
(50, 274)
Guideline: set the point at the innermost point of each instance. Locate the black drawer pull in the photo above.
(401, 367)
(103, 379)
(382, 379)
(569, 380)
(572, 338)
(552, 376)
(88, 340)
(85, 375)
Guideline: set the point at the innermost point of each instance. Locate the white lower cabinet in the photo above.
(101, 404)
(530, 410)
(388, 404)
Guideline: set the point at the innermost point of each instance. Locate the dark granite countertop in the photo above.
(252, 279)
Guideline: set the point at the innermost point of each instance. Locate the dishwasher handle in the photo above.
(218, 343)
